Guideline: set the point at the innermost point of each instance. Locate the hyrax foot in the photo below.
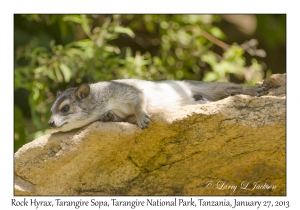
(107, 117)
(257, 90)
(143, 120)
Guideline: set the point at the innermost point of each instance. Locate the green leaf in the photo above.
(209, 58)
(66, 71)
(210, 77)
(84, 43)
(36, 94)
(124, 30)
(109, 48)
(85, 24)
(51, 74)
(72, 18)
(216, 32)
(233, 52)
(39, 70)
(58, 75)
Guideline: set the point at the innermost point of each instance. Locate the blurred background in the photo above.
(55, 52)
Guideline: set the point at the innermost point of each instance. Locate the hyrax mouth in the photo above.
(53, 125)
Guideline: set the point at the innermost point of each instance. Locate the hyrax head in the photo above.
(70, 109)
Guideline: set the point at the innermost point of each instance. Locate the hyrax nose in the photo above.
(51, 123)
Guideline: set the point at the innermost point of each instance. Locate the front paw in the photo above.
(107, 117)
(143, 120)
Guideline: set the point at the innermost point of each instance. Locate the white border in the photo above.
(8, 8)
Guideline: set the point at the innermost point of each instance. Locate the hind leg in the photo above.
(256, 90)
(214, 91)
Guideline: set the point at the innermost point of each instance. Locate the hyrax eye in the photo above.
(65, 108)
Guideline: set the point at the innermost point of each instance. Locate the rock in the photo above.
(213, 149)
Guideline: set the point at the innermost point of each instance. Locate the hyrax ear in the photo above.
(58, 93)
(82, 91)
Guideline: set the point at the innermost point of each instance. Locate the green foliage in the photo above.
(232, 62)
(61, 51)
